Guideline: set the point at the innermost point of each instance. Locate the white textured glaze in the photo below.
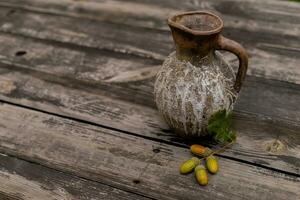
(187, 95)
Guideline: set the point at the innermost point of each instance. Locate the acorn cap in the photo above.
(196, 160)
(199, 167)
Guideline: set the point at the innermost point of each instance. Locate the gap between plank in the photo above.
(144, 137)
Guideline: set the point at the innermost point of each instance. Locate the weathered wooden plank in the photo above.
(121, 75)
(77, 86)
(129, 162)
(262, 23)
(269, 15)
(28, 181)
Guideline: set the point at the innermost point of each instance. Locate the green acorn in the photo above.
(201, 175)
(212, 164)
(189, 165)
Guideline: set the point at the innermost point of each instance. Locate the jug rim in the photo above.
(172, 23)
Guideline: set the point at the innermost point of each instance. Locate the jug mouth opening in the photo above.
(197, 22)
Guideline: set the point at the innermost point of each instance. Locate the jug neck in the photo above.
(195, 34)
(194, 49)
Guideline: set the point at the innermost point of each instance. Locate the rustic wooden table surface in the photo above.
(77, 117)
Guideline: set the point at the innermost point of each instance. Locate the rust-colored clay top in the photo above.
(197, 22)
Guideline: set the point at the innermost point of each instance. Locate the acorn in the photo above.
(201, 175)
(200, 150)
(189, 165)
(212, 164)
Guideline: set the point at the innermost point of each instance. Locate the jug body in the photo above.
(187, 95)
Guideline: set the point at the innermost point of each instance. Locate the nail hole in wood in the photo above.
(10, 12)
(136, 181)
(20, 53)
(156, 150)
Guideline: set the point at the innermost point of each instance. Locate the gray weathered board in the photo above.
(29, 181)
(76, 81)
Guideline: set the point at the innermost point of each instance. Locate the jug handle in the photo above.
(226, 44)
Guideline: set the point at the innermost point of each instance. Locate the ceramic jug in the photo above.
(195, 81)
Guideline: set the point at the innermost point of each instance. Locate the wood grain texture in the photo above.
(98, 69)
(77, 87)
(128, 162)
(277, 15)
(22, 180)
(262, 23)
